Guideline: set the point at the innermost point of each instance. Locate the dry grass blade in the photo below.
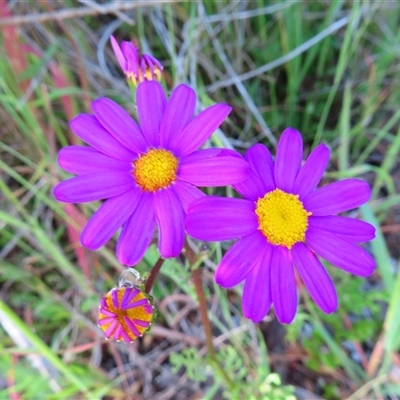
(61, 15)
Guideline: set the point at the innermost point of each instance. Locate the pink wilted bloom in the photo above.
(125, 313)
(282, 223)
(136, 67)
(149, 172)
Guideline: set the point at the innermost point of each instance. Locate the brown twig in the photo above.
(175, 336)
(390, 228)
(198, 284)
(376, 357)
(120, 365)
(77, 12)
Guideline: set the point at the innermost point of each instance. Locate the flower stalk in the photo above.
(153, 275)
(198, 284)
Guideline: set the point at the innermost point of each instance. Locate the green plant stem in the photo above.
(153, 275)
(198, 284)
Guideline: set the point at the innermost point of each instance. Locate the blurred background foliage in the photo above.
(327, 68)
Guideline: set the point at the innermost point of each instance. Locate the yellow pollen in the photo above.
(150, 76)
(155, 170)
(141, 76)
(282, 218)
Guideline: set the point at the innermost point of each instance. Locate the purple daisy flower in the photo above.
(125, 313)
(147, 173)
(283, 223)
(136, 67)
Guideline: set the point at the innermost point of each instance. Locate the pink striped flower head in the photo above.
(137, 68)
(284, 223)
(125, 313)
(147, 174)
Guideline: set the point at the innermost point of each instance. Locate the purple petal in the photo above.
(240, 259)
(108, 313)
(200, 129)
(118, 53)
(261, 162)
(312, 171)
(178, 113)
(315, 278)
(83, 160)
(129, 295)
(126, 337)
(136, 304)
(120, 124)
(131, 326)
(110, 330)
(137, 232)
(341, 253)
(89, 129)
(114, 297)
(92, 187)
(213, 167)
(171, 223)
(147, 63)
(131, 54)
(257, 300)
(143, 324)
(153, 63)
(337, 197)
(252, 188)
(187, 193)
(105, 321)
(126, 296)
(348, 228)
(149, 309)
(117, 333)
(151, 103)
(289, 154)
(218, 218)
(109, 218)
(283, 285)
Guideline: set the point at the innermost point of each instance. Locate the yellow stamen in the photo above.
(282, 218)
(155, 170)
(141, 76)
(149, 74)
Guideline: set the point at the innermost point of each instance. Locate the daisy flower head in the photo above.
(147, 173)
(137, 68)
(125, 313)
(283, 223)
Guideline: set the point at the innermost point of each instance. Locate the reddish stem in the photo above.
(153, 275)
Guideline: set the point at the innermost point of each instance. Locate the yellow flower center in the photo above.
(155, 170)
(146, 75)
(282, 218)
